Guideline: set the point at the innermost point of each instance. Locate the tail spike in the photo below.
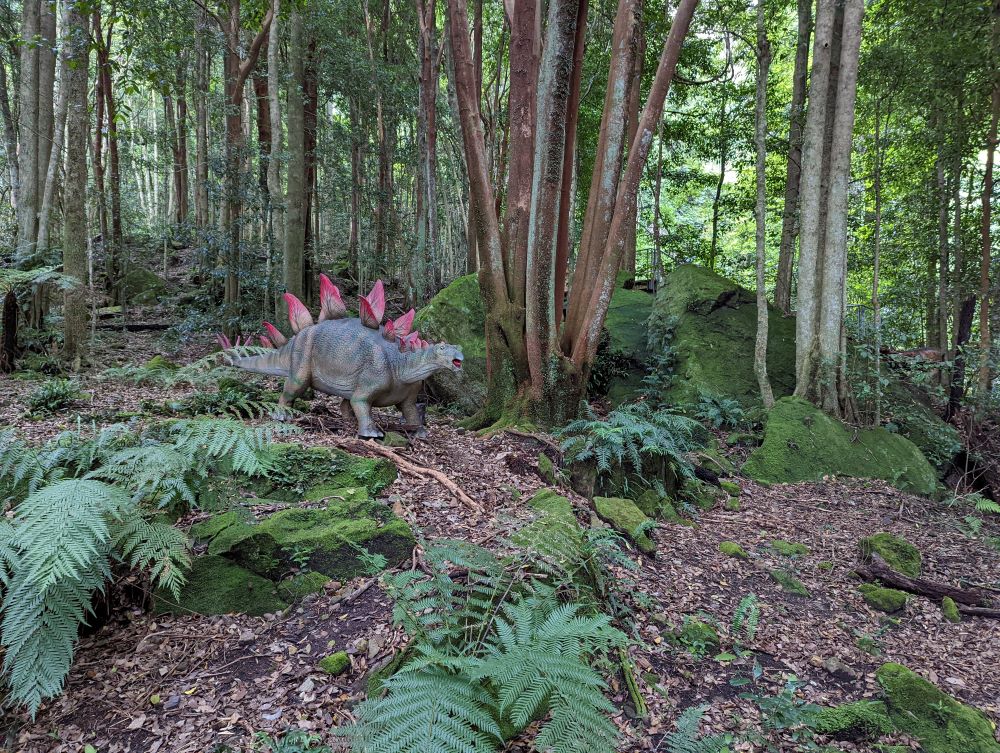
(331, 304)
(298, 315)
(274, 335)
(372, 306)
(265, 342)
(224, 342)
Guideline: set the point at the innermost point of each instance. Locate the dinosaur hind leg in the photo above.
(298, 380)
(347, 413)
(367, 428)
(411, 415)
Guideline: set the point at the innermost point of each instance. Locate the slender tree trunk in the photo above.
(55, 153)
(46, 91)
(943, 250)
(74, 230)
(9, 135)
(984, 377)
(760, 210)
(102, 209)
(294, 255)
(201, 219)
(877, 260)
(719, 183)
(310, 105)
(28, 122)
(790, 214)
(276, 198)
(472, 256)
(634, 100)
(357, 185)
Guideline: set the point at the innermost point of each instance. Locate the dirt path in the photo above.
(145, 683)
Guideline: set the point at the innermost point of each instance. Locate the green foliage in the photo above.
(491, 652)
(53, 396)
(787, 713)
(697, 637)
(718, 411)
(234, 399)
(292, 741)
(628, 436)
(746, 618)
(687, 740)
(861, 719)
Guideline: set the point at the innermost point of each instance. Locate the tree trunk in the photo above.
(9, 135)
(984, 377)
(8, 324)
(943, 250)
(98, 160)
(713, 249)
(472, 256)
(294, 254)
(877, 259)
(201, 68)
(790, 214)
(633, 125)
(276, 198)
(760, 210)
(55, 153)
(310, 105)
(46, 89)
(28, 122)
(74, 230)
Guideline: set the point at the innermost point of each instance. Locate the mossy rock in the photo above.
(628, 334)
(159, 363)
(732, 549)
(731, 488)
(395, 439)
(949, 609)
(547, 469)
(330, 493)
(294, 588)
(208, 529)
(331, 540)
(301, 471)
(884, 599)
(732, 504)
(801, 443)
(702, 495)
(623, 515)
(855, 721)
(714, 334)
(141, 286)
(654, 505)
(826, 566)
(336, 663)
(789, 548)
(911, 411)
(555, 533)
(789, 583)
(698, 636)
(216, 585)
(899, 554)
(938, 721)
(457, 316)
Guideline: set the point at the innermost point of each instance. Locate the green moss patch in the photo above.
(141, 286)
(949, 609)
(884, 599)
(301, 472)
(854, 721)
(546, 469)
(217, 586)
(623, 515)
(330, 541)
(801, 443)
(732, 549)
(555, 533)
(294, 588)
(336, 663)
(899, 554)
(701, 495)
(789, 583)
(789, 548)
(938, 721)
(331, 494)
(457, 316)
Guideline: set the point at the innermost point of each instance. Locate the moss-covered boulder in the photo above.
(547, 469)
(303, 584)
(330, 540)
(801, 443)
(555, 533)
(336, 663)
(702, 495)
(215, 585)
(732, 549)
(789, 548)
(910, 411)
(949, 610)
(313, 472)
(855, 721)
(626, 346)
(714, 323)
(142, 287)
(898, 553)
(938, 721)
(457, 315)
(623, 515)
(883, 599)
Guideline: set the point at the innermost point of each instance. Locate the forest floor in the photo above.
(184, 684)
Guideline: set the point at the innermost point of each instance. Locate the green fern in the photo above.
(984, 504)
(746, 618)
(155, 547)
(687, 740)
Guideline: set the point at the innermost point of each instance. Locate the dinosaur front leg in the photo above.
(296, 383)
(363, 411)
(412, 417)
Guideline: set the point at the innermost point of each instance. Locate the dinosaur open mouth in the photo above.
(456, 363)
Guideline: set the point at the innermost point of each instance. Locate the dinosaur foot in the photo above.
(371, 433)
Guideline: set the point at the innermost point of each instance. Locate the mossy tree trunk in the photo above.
(536, 371)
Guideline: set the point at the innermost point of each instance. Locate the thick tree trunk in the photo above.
(295, 231)
(201, 68)
(8, 336)
(275, 195)
(472, 255)
(634, 100)
(760, 209)
(98, 159)
(790, 214)
(28, 122)
(74, 229)
(51, 180)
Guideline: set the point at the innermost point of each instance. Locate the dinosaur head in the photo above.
(448, 357)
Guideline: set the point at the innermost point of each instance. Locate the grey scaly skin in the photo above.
(344, 358)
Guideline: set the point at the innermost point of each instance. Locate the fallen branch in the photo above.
(408, 466)
(878, 569)
(979, 611)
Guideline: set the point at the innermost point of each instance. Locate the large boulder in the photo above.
(457, 315)
(307, 472)
(713, 326)
(938, 721)
(141, 286)
(625, 354)
(801, 443)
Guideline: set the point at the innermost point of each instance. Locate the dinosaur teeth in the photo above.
(298, 315)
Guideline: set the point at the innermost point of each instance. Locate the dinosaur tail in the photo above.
(275, 363)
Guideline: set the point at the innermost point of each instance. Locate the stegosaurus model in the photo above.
(366, 362)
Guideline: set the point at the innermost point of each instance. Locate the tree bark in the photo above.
(74, 229)
(713, 248)
(55, 153)
(102, 208)
(275, 196)
(760, 210)
(28, 121)
(201, 68)
(9, 135)
(295, 231)
(790, 214)
(984, 377)
(46, 91)
(634, 100)
(878, 568)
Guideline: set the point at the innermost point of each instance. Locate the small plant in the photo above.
(746, 618)
(53, 396)
(785, 712)
(983, 504)
(970, 526)
(687, 739)
(292, 741)
(717, 411)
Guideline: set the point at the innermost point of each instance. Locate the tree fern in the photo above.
(687, 740)
(247, 448)
(153, 546)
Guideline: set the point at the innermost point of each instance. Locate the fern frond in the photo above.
(155, 546)
(987, 505)
(686, 738)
